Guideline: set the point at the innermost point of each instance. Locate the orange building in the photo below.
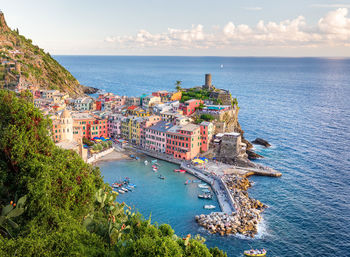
(184, 142)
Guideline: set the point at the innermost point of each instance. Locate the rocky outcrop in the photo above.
(253, 156)
(260, 141)
(90, 90)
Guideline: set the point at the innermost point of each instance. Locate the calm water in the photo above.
(300, 105)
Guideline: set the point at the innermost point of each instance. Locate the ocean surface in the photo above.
(300, 105)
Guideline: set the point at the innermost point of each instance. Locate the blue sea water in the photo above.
(300, 105)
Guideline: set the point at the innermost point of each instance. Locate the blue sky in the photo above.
(192, 27)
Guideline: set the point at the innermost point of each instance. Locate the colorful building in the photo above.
(184, 142)
(207, 132)
(156, 136)
(189, 107)
(146, 123)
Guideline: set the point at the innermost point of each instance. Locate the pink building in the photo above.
(189, 107)
(156, 136)
(114, 125)
(207, 131)
(147, 122)
(184, 142)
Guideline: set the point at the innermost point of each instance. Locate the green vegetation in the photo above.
(178, 85)
(194, 93)
(67, 210)
(204, 117)
(38, 67)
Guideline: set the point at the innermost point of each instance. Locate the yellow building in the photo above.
(136, 130)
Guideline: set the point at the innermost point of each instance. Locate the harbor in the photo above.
(239, 214)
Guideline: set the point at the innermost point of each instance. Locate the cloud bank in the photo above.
(331, 30)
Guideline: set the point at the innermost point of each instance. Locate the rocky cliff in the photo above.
(33, 65)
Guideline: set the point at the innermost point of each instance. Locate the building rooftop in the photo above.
(162, 126)
(189, 127)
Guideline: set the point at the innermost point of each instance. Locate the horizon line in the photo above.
(204, 56)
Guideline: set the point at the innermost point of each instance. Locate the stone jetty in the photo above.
(244, 220)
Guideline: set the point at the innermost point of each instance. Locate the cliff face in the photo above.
(33, 65)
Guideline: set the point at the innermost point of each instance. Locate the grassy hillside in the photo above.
(36, 66)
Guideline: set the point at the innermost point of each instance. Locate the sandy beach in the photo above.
(115, 156)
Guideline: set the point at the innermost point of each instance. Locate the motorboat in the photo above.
(176, 170)
(155, 169)
(161, 176)
(206, 190)
(188, 181)
(182, 171)
(146, 162)
(252, 252)
(209, 207)
(154, 161)
(123, 188)
(196, 181)
(121, 191)
(206, 196)
(203, 186)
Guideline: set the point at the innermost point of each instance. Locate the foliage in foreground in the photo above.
(67, 209)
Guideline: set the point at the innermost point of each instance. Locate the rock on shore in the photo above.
(260, 141)
(246, 218)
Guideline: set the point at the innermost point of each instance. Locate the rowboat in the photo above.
(252, 252)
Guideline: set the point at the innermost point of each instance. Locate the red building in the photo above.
(183, 142)
(89, 127)
(98, 105)
(189, 107)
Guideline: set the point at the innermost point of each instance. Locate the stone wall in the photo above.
(96, 157)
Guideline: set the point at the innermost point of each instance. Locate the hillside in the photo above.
(27, 64)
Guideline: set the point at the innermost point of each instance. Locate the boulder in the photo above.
(260, 141)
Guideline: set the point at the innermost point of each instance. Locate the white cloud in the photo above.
(331, 5)
(256, 8)
(331, 30)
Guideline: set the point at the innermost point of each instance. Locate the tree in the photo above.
(178, 85)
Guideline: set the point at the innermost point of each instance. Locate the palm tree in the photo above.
(178, 85)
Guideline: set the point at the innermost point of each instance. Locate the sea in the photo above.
(300, 105)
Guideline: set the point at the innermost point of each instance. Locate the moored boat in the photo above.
(252, 252)
(161, 176)
(206, 196)
(146, 162)
(203, 186)
(182, 171)
(206, 190)
(209, 207)
(121, 191)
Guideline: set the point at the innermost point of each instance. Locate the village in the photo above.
(159, 122)
(196, 128)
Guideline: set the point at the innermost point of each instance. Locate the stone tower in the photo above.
(66, 126)
(208, 84)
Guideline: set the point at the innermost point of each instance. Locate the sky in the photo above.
(184, 27)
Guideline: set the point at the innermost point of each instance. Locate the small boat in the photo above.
(154, 166)
(124, 189)
(205, 190)
(188, 181)
(205, 196)
(146, 162)
(154, 161)
(252, 252)
(176, 170)
(137, 158)
(161, 177)
(132, 185)
(121, 191)
(196, 181)
(182, 171)
(209, 207)
(203, 186)
(155, 169)
(132, 156)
